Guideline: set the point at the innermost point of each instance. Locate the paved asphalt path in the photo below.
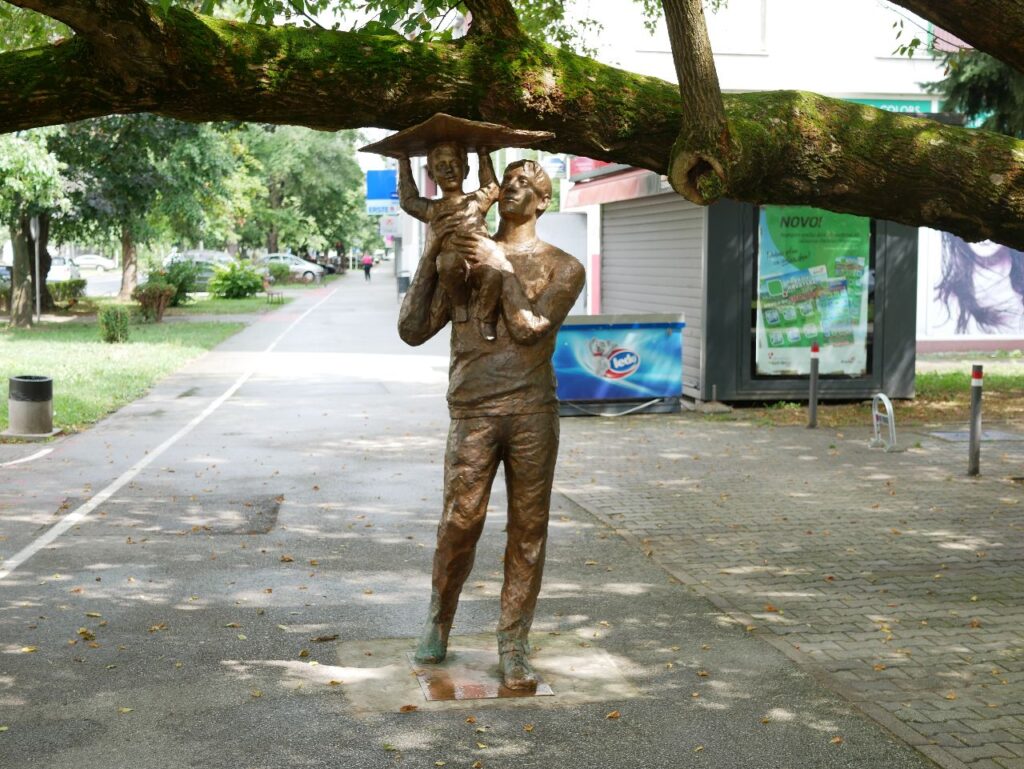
(286, 487)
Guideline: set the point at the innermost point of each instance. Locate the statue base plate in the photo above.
(468, 674)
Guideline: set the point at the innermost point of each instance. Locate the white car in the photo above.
(95, 262)
(62, 269)
(299, 268)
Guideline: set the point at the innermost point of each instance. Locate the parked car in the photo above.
(299, 268)
(95, 262)
(6, 278)
(62, 268)
(207, 261)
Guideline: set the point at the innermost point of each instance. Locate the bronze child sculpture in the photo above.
(447, 165)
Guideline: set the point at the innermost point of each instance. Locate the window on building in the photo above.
(739, 27)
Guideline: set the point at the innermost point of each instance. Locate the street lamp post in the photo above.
(33, 226)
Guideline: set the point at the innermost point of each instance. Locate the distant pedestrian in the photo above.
(367, 266)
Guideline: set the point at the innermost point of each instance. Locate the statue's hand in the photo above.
(481, 251)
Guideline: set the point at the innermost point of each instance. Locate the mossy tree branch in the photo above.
(697, 165)
(785, 147)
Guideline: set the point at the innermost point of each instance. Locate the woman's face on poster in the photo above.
(988, 249)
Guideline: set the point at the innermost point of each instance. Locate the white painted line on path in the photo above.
(76, 516)
(37, 455)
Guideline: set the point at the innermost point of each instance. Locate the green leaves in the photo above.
(32, 176)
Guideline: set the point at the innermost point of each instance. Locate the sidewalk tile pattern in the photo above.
(894, 577)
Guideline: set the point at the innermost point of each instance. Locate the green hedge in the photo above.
(67, 291)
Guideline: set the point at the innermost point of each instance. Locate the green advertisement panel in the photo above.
(812, 273)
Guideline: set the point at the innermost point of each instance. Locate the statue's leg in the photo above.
(453, 276)
(531, 451)
(470, 463)
(487, 283)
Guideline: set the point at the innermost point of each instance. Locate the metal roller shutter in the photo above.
(652, 260)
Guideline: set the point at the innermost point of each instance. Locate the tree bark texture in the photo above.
(699, 153)
(785, 147)
(22, 291)
(130, 269)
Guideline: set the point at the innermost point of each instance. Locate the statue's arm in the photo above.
(408, 193)
(424, 311)
(529, 322)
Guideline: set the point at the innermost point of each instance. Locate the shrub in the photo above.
(235, 281)
(279, 272)
(67, 291)
(184, 276)
(113, 320)
(153, 297)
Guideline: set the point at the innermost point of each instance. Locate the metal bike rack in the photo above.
(878, 417)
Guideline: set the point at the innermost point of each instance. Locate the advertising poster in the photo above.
(969, 291)
(619, 360)
(812, 287)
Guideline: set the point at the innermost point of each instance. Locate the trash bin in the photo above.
(403, 282)
(30, 406)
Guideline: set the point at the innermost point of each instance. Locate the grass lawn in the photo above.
(92, 378)
(212, 305)
(942, 398)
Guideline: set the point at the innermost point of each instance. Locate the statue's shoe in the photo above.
(517, 672)
(433, 646)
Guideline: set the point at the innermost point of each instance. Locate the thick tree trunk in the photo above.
(784, 147)
(130, 269)
(272, 237)
(23, 291)
(701, 150)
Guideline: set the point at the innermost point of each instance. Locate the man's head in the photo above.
(525, 190)
(448, 165)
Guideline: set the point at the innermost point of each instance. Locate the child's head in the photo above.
(448, 165)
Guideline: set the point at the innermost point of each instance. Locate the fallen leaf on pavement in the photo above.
(157, 628)
(528, 728)
(29, 649)
(837, 740)
(286, 559)
(408, 708)
(125, 710)
(320, 639)
(613, 715)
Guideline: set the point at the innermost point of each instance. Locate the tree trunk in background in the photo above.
(130, 262)
(23, 292)
(272, 242)
(45, 260)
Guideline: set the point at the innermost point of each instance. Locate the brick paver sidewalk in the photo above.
(894, 576)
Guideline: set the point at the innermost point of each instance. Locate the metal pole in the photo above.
(974, 456)
(33, 226)
(812, 405)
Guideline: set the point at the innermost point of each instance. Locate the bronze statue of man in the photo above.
(501, 398)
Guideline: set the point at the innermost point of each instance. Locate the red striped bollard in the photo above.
(974, 453)
(812, 401)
